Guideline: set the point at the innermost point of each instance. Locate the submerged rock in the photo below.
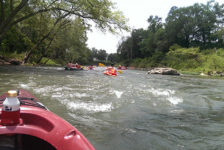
(163, 71)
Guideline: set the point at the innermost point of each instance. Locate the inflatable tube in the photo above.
(110, 72)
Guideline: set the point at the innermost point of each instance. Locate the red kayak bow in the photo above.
(34, 127)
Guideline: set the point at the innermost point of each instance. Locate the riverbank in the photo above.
(212, 74)
(185, 60)
(8, 61)
(15, 60)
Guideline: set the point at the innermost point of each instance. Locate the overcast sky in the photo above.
(137, 11)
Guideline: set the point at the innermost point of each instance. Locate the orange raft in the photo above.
(110, 72)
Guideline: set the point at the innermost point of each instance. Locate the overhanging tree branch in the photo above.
(28, 16)
(29, 53)
(12, 15)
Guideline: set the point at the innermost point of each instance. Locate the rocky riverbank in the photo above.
(9, 61)
(163, 71)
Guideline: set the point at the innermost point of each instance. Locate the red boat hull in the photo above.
(40, 123)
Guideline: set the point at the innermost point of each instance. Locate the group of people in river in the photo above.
(111, 70)
(71, 65)
(76, 66)
(121, 67)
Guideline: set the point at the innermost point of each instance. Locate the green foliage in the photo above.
(186, 60)
(15, 55)
(193, 60)
(15, 41)
(99, 55)
(49, 62)
(112, 58)
(55, 29)
(148, 62)
(182, 58)
(174, 47)
(102, 12)
(195, 25)
(102, 54)
(169, 44)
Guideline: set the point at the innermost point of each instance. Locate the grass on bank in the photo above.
(187, 60)
(12, 55)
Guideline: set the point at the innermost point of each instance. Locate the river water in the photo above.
(133, 111)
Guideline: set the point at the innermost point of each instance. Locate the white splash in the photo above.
(178, 111)
(24, 86)
(41, 90)
(90, 106)
(154, 104)
(58, 89)
(80, 95)
(161, 92)
(57, 95)
(175, 100)
(168, 94)
(118, 93)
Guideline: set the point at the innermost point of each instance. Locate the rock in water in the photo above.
(163, 71)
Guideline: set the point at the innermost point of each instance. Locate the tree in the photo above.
(155, 36)
(194, 25)
(124, 48)
(94, 53)
(99, 11)
(70, 43)
(102, 55)
(137, 35)
(112, 58)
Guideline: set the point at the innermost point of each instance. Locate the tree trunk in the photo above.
(27, 56)
(44, 52)
(39, 60)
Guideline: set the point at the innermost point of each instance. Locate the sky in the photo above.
(137, 12)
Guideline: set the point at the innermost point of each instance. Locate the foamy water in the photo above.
(91, 107)
(133, 111)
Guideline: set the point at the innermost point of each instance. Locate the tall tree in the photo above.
(151, 41)
(112, 58)
(124, 50)
(102, 55)
(101, 12)
(194, 25)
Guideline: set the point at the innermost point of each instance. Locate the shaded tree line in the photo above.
(200, 25)
(100, 55)
(42, 30)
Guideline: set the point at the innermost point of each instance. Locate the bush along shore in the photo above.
(187, 61)
(13, 59)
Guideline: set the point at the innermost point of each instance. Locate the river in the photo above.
(133, 111)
